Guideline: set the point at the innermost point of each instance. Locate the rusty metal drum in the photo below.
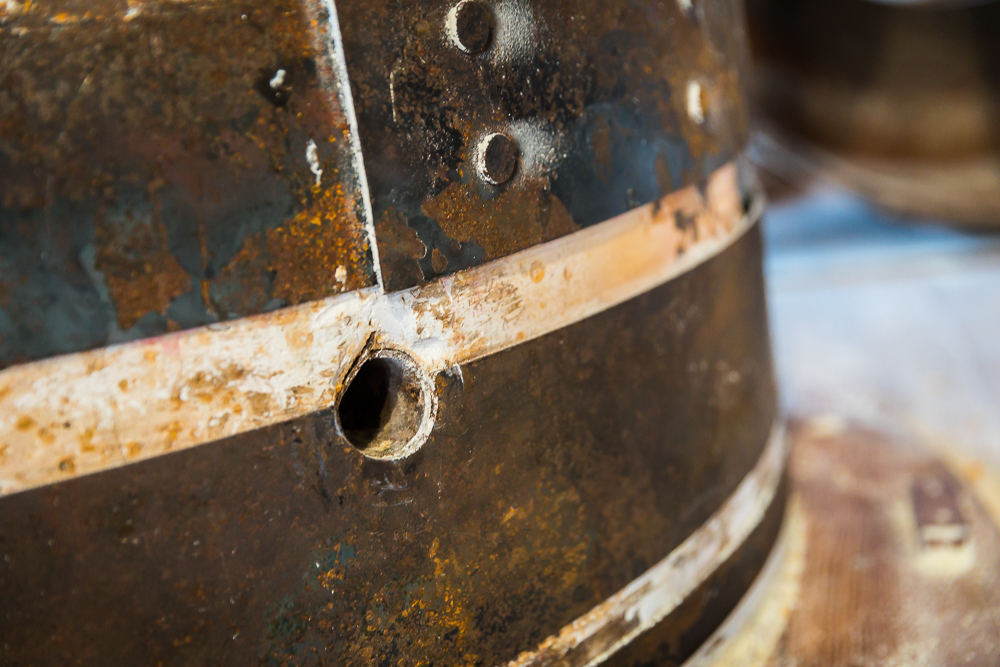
(371, 332)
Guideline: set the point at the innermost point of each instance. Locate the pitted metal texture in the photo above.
(164, 166)
(594, 95)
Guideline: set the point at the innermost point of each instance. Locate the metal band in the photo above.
(595, 636)
(91, 411)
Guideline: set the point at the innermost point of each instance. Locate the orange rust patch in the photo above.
(96, 363)
(133, 449)
(67, 465)
(600, 141)
(298, 338)
(141, 274)
(3, 392)
(301, 392)
(207, 387)
(322, 239)
(46, 436)
(402, 249)
(393, 232)
(85, 439)
(516, 219)
(664, 177)
(259, 403)
(123, 385)
(536, 271)
(173, 430)
(25, 423)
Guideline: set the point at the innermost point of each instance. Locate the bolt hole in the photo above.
(383, 406)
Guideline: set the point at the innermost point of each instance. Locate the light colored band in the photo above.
(646, 601)
(91, 411)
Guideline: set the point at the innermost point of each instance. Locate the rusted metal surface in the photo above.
(641, 607)
(588, 419)
(593, 94)
(78, 414)
(167, 165)
(672, 641)
(539, 495)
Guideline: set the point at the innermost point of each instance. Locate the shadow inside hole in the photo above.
(367, 404)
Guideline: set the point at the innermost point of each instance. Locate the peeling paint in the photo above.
(198, 386)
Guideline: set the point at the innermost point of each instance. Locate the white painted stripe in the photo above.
(749, 635)
(646, 601)
(346, 99)
(91, 411)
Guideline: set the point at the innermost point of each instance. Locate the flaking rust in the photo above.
(166, 166)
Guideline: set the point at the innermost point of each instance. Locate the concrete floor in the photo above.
(894, 325)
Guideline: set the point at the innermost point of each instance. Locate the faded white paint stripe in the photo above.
(86, 412)
(646, 601)
(346, 99)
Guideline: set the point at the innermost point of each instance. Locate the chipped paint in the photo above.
(205, 384)
(312, 157)
(695, 103)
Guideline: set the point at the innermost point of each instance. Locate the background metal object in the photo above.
(901, 103)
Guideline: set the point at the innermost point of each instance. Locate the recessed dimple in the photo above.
(470, 26)
(498, 156)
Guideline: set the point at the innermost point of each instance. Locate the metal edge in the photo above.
(647, 600)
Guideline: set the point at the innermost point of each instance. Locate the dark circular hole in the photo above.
(499, 159)
(367, 402)
(381, 407)
(473, 26)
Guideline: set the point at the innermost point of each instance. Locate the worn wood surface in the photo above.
(865, 586)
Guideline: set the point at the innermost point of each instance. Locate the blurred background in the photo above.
(877, 135)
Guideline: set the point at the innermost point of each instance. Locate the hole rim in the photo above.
(414, 375)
